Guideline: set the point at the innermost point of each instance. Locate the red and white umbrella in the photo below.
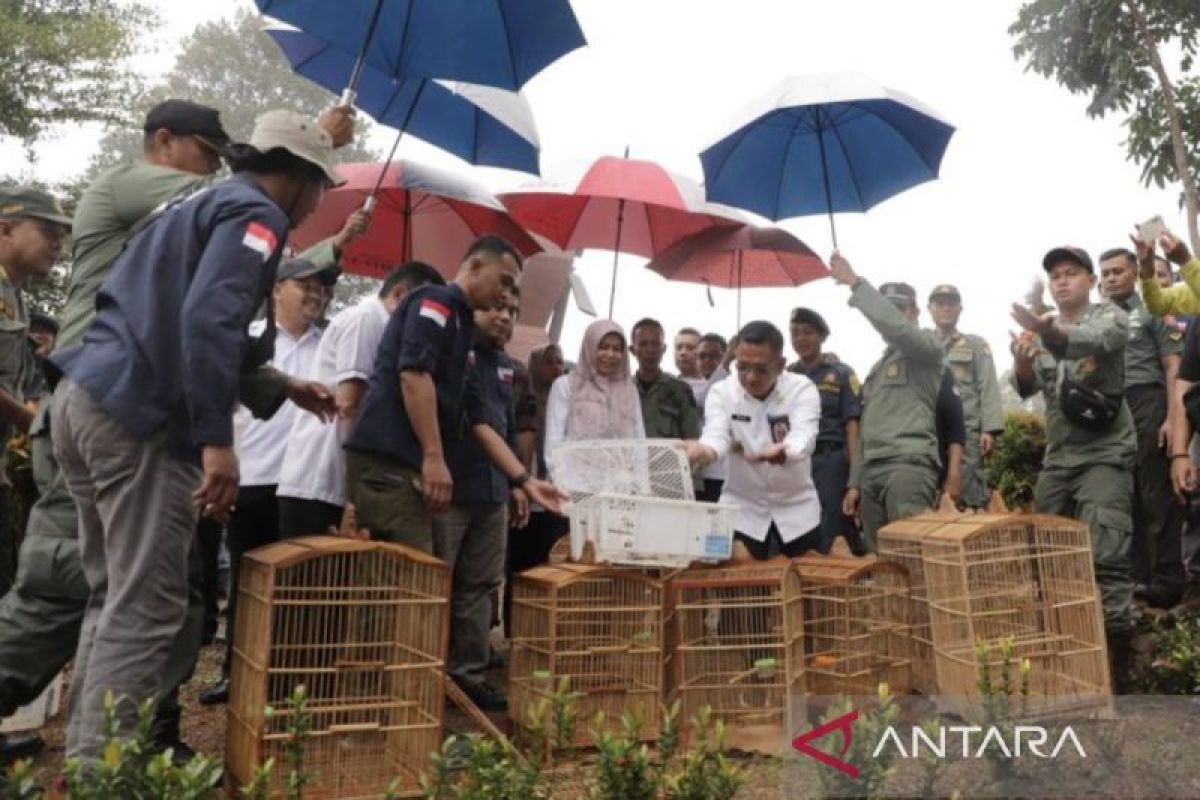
(741, 257)
(420, 213)
(621, 204)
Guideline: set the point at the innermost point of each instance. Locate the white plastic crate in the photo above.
(651, 531)
(639, 467)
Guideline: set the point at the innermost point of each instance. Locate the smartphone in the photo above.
(1151, 229)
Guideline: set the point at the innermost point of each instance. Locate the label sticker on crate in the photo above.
(716, 546)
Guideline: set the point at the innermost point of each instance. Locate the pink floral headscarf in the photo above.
(602, 408)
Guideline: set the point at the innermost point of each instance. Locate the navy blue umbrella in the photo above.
(501, 43)
(479, 124)
(822, 145)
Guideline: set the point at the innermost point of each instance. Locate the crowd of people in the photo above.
(195, 387)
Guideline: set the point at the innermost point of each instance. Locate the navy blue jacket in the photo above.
(476, 479)
(170, 332)
(432, 331)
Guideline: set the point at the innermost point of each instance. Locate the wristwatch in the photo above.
(520, 480)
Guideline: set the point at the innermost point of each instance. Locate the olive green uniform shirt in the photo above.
(1150, 340)
(668, 408)
(16, 357)
(970, 360)
(1095, 356)
(899, 417)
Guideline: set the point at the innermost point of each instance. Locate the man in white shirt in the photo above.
(765, 420)
(296, 302)
(312, 481)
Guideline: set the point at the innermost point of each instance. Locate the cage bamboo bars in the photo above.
(992, 577)
(856, 625)
(738, 646)
(600, 628)
(363, 626)
(900, 544)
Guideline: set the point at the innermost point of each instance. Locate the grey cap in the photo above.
(297, 134)
(298, 268)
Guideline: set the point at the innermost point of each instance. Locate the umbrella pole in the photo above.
(612, 294)
(351, 90)
(825, 176)
(739, 290)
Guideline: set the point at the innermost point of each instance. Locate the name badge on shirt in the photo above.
(780, 428)
(740, 418)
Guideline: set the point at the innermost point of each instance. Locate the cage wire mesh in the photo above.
(599, 628)
(1028, 578)
(737, 637)
(856, 625)
(363, 627)
(640, 467)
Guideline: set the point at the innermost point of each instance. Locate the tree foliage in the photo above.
(66, 61)
(1116, 52)
(231, 65)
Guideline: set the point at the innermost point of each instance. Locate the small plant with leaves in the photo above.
(1005, 703)
(1175, 663)
(873, 771)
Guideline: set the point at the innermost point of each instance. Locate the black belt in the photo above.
(829, 447)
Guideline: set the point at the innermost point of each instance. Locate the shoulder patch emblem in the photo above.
(855, 384)
(892, 370)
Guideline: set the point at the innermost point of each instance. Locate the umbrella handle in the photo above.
(348, 97)
(369, 205)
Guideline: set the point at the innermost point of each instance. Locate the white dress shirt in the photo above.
(717, 470)
(558, 416)
(260, 447)
(736, 423)
(314, 467)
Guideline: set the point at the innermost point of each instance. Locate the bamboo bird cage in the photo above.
(900, 543)
(600, 628)
(856, 625)
(363, 627)
(1028, 578)
(738, 647)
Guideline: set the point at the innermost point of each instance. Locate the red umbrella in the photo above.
(420, 213)
(619, 204)
(745, 256)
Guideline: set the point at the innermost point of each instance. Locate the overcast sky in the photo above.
(1026, 170)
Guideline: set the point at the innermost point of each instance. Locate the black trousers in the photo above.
(529, 547)
(830, 474)
(1158, 518)
(255, 523)
(208, 544)
(711, 493)
(303, 517)
(774, 544)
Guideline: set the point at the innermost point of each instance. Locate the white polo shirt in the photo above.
(736, 423)
(261, 443)
(314, 466)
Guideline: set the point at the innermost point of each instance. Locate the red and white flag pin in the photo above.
(260, 239)
(432, 309)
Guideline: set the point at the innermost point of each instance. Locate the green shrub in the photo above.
(1175, 664)
(1016, 459)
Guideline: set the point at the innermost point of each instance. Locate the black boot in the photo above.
(16, 746)
(215, 695)
(1120, 659)
(164, 735)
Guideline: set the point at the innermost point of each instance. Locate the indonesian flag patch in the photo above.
(260, 239)
(505, 374)
(432, 309)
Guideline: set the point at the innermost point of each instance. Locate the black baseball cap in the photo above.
(806, 316)
(186, 118)
(1076, 255)
(303, 268)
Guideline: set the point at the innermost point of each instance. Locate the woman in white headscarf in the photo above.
(598, 400)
